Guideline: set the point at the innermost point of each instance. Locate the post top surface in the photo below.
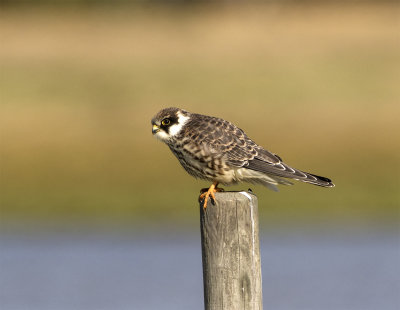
(235, 195)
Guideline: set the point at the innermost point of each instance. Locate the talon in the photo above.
(207, 192)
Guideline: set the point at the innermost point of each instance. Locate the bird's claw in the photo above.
(203, 198)
(206, 193)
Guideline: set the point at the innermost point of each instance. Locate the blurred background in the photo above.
(97, 214)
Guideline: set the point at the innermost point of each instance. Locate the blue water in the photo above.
(304, 272)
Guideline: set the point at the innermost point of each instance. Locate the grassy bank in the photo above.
(317, 86)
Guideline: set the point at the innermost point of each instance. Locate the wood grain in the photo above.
(231, 252)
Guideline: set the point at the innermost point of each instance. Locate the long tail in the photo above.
(284, 171)
(316, 180)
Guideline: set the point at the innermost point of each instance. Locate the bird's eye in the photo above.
(165, 122)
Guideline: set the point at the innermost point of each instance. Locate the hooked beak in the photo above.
(155, 129)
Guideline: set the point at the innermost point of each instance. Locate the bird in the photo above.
(216, 150)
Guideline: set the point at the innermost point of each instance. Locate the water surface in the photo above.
(64, 272)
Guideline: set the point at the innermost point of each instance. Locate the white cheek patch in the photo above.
(176, 128)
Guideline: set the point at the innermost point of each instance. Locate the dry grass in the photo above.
(318, 86)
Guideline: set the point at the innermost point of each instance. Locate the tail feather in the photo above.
(284, 171)
(256, 177)
(320, 181)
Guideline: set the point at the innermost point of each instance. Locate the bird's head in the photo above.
(168, 123)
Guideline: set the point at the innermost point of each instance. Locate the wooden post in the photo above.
(231, 252)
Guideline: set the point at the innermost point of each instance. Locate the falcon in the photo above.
(215, 150)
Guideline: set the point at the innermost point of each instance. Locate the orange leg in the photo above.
(206, 193)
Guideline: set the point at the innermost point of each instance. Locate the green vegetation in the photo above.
(317, 86)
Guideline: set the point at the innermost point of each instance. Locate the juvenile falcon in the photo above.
(213, 149)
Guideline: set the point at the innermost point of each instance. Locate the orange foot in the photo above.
(207, 192)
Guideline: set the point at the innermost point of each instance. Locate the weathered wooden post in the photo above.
(231, 252)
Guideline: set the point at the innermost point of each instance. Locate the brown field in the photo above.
(317, 85)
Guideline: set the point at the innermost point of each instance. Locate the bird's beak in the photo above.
(155, 129)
